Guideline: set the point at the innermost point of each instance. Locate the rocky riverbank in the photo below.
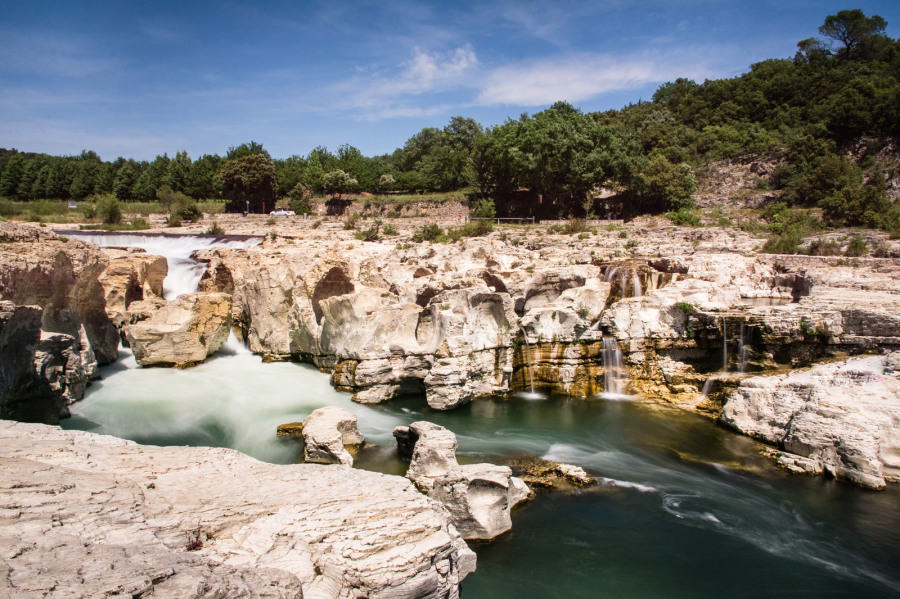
(87, 515)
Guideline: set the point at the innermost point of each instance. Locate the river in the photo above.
(684, 508)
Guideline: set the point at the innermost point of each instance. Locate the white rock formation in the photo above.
(183, 332)
(841, 418)
(86, 515)
(478, 496)
(327, 433)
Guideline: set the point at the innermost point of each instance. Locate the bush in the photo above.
(576, 225)
(429, 232)
(299, 199)
(389, 229)
(351, 223)
(174, 220)
(190, 211)
(484, 209)
(856, 247)
(215, 229)
(108, 209)
(820, 247)
(683, 216)
(139, 224)
(475, 228)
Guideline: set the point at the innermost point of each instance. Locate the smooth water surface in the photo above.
(685, 508)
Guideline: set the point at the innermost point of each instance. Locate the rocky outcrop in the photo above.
(478, 496)
(87, 515)
(131, 276)
(40, 373)
(841, 418)
(330, 434)
(182, 332)
(61, 276)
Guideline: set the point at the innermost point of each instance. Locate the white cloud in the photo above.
(572, 78)
(576, 78)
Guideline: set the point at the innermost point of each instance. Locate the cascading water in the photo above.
(615, 381)
(184, 271)
(742, 351)
(610, 274)
(707, 384)
(636, 281)
(532, 394)
(668, 479)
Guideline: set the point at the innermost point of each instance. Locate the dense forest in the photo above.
(825, 116)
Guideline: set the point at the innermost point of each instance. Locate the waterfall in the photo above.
(742, 351)
(615, 380)
(707, 384)
(184, 271)
(636, 281)
(622, 283)
(532, 394)
(610, 274)
(724, 346)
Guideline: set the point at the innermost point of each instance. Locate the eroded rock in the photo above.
(328, 433)
(842, 418)
(182, 332)
(88, 515)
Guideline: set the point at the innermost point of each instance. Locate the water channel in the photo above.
(684, 508)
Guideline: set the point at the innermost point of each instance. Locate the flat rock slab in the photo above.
(89, 515)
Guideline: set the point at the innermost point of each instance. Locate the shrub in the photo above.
(108, 209)
(299, 199)
(351, 222)
(576, 225)
(139, 224)
(190, 211)
(370, 234)
(174, 220)
(683, 216)
(317, 224)
(215, 229)
(686, 308)
(429, 232)
(856, 247)
(389, 229)
(484, 209)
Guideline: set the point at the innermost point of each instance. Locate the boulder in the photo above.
(841, 418)
(92, 516)
(432, 452)
(183, 332)
(328, 433)
(478, 496)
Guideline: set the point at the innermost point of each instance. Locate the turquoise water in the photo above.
(684, 508)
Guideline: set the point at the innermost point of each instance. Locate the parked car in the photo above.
(282, 213)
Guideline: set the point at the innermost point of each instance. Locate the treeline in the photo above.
(824, 115)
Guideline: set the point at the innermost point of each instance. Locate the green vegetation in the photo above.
(827, 116)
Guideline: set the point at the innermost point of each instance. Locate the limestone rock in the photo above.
(433, 452)
(87, 515)
(66, 363)
(291, 430)
(183, 332)
(131, 276)
(327, 433)
(843, 417)
(62, 278)
(478, 496)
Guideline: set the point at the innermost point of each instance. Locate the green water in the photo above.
(685, 508)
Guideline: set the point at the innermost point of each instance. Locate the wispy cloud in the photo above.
(51, 55)
(574, 78)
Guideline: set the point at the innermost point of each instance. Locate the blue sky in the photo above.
(137, 79)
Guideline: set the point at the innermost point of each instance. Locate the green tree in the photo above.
(249, 181)
(851, 28)
(661, 185)
(12, 174)
(203, 180)
(337, 183)
(123, 186)
(246, 149)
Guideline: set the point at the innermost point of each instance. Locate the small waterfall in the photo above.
(610, 274)
(184, 271)
(615, 380)
(742, 351)
(532, 394)
(622, 283)
(724, 346)
(636, 281)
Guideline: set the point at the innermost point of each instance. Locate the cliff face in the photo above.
(88, 515)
